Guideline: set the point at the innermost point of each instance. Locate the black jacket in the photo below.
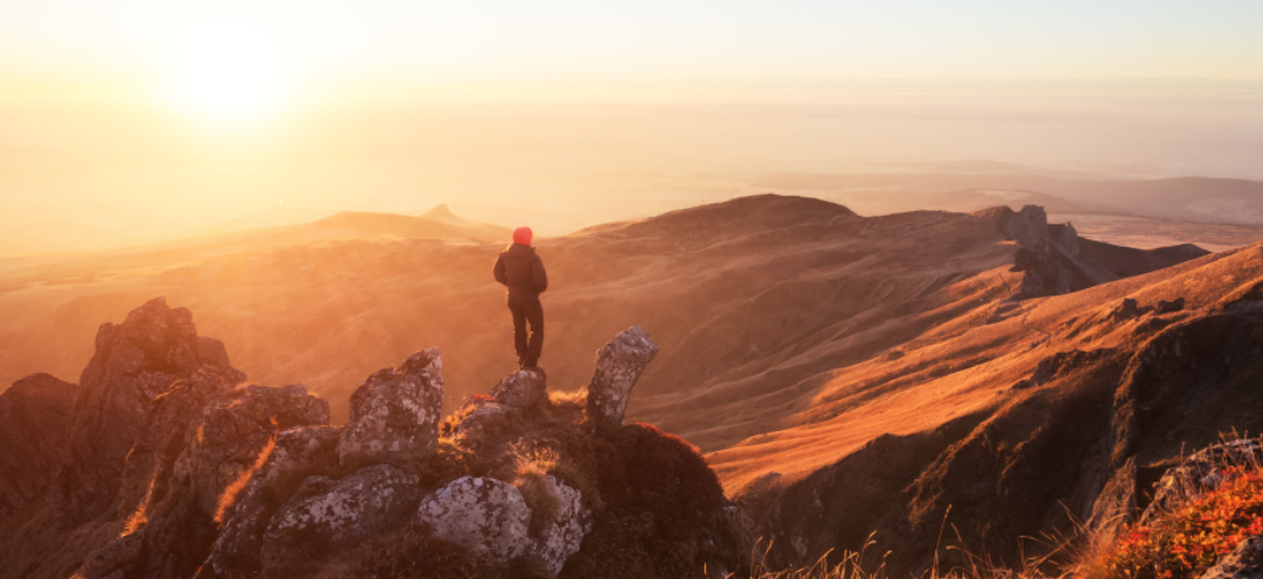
(521, 269)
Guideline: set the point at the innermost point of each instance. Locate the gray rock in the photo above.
(487, 417)
(1244, 562)
(299, 453)
(521, 389)
(484, 515)
(571, 523)
(618, 365)
(395, 415)
(328, 516)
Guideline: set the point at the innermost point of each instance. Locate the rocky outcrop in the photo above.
(225, 479)
(34, 412)
(182, 473)
(395, 415)
(618, 365)
(329, 515)
(521, 389)
(1198, 474)
(1055, 260)
(135, 362)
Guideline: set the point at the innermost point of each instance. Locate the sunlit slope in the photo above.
(971, 364)
(757, 303)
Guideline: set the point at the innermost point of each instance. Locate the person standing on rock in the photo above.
(520, 268)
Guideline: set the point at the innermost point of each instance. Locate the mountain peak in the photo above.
(440, 211)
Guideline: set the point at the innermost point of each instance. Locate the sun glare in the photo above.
(227, 76)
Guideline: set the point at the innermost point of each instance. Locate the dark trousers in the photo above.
(527, 309)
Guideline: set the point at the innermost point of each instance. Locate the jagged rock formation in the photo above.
(135, 362)
(1055, 260)
(618, 366)
(33, 418)
(225, 479)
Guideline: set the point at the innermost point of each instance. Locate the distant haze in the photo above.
(143, 121)
(85, 172)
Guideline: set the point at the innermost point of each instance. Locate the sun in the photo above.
(226, 75)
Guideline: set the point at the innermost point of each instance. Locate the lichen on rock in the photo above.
(618, 366)
(521, 389)
(329, 515)
(488, 517)
(395, 415)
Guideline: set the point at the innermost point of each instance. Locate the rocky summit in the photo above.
(173, 466)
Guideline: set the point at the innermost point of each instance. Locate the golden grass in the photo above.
(233, 490)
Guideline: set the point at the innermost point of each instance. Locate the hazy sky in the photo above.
(314, 41)
(129, 121)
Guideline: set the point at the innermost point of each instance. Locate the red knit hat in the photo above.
(522, 235)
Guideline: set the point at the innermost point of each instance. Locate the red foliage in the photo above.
(1191, 538)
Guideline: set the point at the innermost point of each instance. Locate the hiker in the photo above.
(520, 268)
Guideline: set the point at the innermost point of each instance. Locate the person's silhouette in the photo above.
(520, 268)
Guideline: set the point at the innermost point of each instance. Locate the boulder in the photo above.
(34, 413)
(618, 365)
(521, 389)
(395, 416)
(299, 453)
(1244, 562)
(488, 517)
(134, 363)
(333, 515)
(569, 525)
(486, 417)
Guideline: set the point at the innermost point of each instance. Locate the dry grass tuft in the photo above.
(531, 478)
(233, 490)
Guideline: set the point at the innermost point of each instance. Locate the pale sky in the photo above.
(128, 121)
(322, 42)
